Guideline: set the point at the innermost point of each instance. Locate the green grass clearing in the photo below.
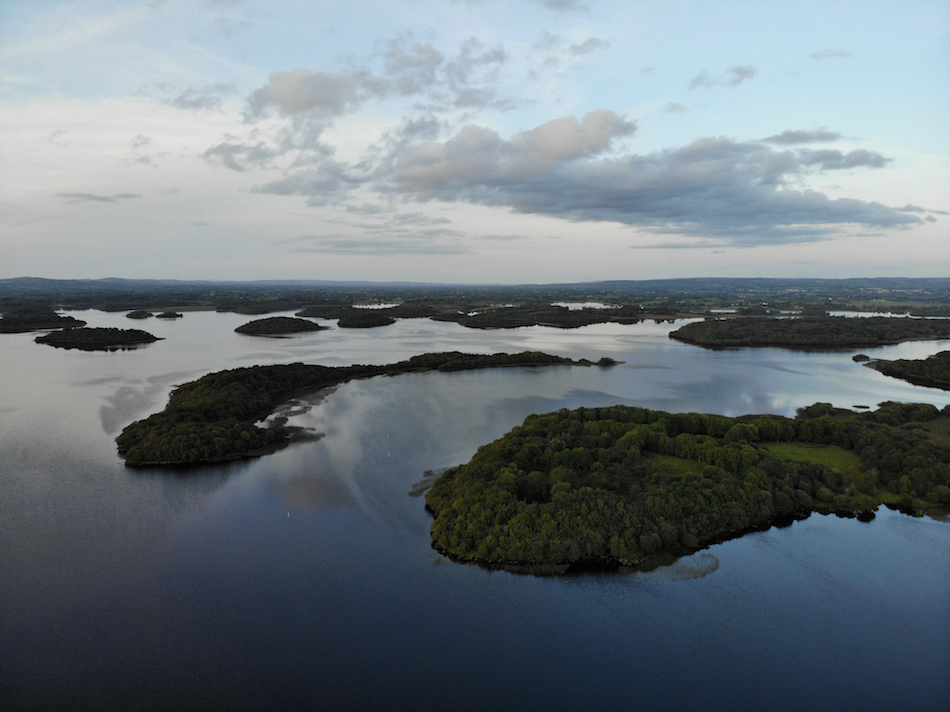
(835, 458)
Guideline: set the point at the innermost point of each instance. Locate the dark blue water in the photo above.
(305, 580)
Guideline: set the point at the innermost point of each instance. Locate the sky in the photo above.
(478, 141)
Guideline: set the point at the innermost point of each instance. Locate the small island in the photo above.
(139, 314)
(214, 418)
(933, 372)
(620, 487)
(278, 326)
(169, 315)
(364, 319)
(828, 332)
(96, 339)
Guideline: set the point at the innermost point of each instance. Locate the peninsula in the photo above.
(614, 487)
(19, 321)
(933, 372)
(213, 419)
(96, 339)
(821, 332)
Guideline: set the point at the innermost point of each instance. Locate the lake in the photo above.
(305, 579)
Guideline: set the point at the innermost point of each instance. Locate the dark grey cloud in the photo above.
(733, 77)
(588, 47)
(830, 53)
(674, 108)
(789, 137)
(830, 160)
(90, 197)
(714, 188)
(140, 141)
(930, 218)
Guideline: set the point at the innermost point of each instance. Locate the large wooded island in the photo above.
(613, 487)
(820, 332)
(213, 419)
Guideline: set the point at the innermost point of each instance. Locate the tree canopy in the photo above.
(614, 486)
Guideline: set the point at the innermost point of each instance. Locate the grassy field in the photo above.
(837, 459)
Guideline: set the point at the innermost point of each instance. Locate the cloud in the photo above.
(565, 5)
(468, 80)
(422, 244)
(830, 160)
(588, 47)
(714, 188)
(416, 219)
(830, 53)
(90, 197)
(322, 94)
(473, 55)
(140, 141)
(733, 77)
(547, 41)
(240, 157)
(789, 137)
(412, 64)
(204, 99)
(674, 108)
(477, 154)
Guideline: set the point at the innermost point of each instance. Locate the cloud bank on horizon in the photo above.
(473, 141)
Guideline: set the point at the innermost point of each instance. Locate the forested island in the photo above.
(213, 419)
(825, 332)
(96, 339)
(616, 487)
(933, 372)
(277, 325)
(22, 319)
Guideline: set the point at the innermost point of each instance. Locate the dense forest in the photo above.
(614, 486)
(96, 339)
(277, 325)
(811, 332)
(933, 371)
(213, 419)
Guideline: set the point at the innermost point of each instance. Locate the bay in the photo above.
(305, 579)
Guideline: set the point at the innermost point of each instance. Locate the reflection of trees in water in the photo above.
(689, 567)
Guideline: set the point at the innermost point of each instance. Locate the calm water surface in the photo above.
(305, 580)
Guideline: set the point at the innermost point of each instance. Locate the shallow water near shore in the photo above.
(305, 579)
